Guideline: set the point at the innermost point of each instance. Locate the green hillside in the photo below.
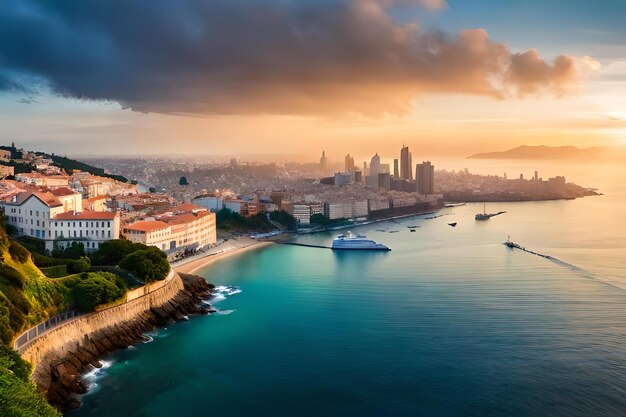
(26, 297)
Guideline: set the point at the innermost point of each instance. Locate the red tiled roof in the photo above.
(147, 226)
(45, 197)
(96, 198)
(63, 191)
(86, 215)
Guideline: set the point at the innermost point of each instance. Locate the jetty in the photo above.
(513, 245)
(306, 245)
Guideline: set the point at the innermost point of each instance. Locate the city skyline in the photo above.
(497, 84)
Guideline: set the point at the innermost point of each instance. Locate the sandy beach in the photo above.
(228, 248)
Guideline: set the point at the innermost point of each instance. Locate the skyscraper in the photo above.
(375, 166)
(349, 163)
(406, 165)
(323, 161)
(396, 172)
(425, 178)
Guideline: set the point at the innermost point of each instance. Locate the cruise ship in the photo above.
(348, 241)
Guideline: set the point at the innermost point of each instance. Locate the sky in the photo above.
(222, 77)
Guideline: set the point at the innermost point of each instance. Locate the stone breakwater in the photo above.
(63, 355)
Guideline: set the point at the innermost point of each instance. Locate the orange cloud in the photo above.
(225, 57)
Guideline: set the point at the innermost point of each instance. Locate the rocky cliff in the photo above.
(61, 356)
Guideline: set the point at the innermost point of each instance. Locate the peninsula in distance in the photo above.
(564, 153)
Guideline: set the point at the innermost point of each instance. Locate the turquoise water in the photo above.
(449, 323)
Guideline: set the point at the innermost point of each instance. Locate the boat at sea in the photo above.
(349, 241)
(486, 216)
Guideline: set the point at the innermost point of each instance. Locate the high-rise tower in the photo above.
(406, 166)
(425, 178)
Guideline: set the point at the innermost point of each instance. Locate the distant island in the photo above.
(548, 153)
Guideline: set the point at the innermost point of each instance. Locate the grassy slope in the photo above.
(26, 297)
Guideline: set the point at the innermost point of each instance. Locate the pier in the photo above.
(306, 245)
(513, 245)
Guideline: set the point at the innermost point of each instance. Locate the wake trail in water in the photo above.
(588, 274)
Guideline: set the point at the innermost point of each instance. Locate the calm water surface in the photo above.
(449, 323)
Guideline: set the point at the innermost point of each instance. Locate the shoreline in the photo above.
(242, 246)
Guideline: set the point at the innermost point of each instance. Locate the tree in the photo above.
(113, 251)
(320, 219)
(149, 264)
(74, 250)
(183, 181)
(95, 288)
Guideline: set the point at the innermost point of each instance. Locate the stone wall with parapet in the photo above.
(66, 338)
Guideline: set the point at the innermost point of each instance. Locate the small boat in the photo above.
(393, 231)
(412, 230)
(452, 224)
(412, 227)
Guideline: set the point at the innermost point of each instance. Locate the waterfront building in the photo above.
(347, 209)
(425, 178)
(406, 165)
(376, 204)
(303, 211)
(183, 228)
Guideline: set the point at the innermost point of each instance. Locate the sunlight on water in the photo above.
(449, 323)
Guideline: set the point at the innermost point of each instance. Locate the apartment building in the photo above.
(186, 227)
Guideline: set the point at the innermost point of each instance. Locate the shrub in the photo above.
(113, 251)
(76, 266)
(95, 288)
(149, 264)
(11, 277)
(18, 396)
(19, 252)
(75, 250)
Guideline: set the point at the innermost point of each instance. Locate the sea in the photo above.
(450, 322)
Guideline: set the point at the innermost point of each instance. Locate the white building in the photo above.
(211, 202)
(58, 219)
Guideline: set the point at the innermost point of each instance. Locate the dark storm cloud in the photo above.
(258, 56)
